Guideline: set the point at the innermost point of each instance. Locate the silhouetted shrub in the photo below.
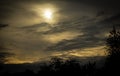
(112, 65)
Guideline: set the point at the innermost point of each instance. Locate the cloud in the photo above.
(114, 19)
(3, 26)
(76, 29)
(19, 13)
(35, 42)
(4, 54)
(76, 43)
(86, 52)
(93, 32)
(58, 37)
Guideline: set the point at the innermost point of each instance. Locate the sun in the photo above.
(48, 14)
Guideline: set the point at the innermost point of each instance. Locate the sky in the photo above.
(39, 29)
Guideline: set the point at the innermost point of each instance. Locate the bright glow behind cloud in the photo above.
(48, 14)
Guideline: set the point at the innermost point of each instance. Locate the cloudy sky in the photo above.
(39, 29)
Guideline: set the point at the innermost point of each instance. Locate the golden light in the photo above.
(48, 14)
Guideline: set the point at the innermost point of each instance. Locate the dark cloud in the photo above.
(113, 18)
(71, 25)
(28, 35)
(94, 32)
(4, 54)
(77, 43)
(101, 13)
(3, 25)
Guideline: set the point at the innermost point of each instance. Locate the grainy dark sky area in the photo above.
(38, 29)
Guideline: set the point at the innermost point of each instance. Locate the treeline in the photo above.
(60, 66)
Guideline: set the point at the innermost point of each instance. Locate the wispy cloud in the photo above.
(80, 30)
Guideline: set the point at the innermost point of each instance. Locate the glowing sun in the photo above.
(48, 14)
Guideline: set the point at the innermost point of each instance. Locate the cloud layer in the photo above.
(77, 31)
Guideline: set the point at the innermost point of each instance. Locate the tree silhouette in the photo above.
(70, 66)
(112, 64)
(113, 42)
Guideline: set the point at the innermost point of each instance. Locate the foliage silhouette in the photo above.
(70, 66)
(113, 42)
(112, 65)
(59, 66)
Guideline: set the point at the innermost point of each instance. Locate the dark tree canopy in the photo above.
(113, 42)
(112, 65)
